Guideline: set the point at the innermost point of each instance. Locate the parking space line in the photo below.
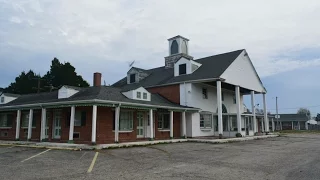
(93, 162)
(10, 147)
(36, 155)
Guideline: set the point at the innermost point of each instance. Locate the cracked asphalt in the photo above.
(290, 157)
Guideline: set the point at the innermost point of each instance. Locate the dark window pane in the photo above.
(83, 118)
(132, 78)
(182, 69)
(174, 47)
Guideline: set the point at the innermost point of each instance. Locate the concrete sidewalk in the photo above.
(68, 146)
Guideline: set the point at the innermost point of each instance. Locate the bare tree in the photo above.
(304, 111)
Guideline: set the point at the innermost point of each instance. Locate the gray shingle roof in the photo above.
(10, 94)
(212, 67)
(90, 93)
(293, 117)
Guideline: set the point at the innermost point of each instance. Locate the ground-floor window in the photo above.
(126, 120)
(164, 121)
(6, 120)
(205, 121)
(25, 120)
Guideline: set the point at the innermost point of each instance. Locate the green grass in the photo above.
(299, 132)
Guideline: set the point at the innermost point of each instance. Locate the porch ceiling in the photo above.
(230, 87)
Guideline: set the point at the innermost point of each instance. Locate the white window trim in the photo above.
(206, 128)
(163, 129)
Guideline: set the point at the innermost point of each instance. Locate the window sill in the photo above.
(129, 131)
(5, 127)
(204, 129)
(27, 127)
(164, 130)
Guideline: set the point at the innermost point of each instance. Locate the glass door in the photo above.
(140, 126)
(57, 125)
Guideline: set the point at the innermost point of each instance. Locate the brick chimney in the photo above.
(97, 79)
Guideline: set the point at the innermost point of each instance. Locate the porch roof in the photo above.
(92, 95)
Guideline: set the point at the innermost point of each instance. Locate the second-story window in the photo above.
(182, 69)
(204, 93)
(139, 95)
(145, 96)
(2, 99)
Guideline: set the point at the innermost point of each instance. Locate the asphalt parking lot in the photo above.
(290, 157)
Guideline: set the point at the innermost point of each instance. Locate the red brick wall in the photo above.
(171, 92)
(105, 133)
(12, 130)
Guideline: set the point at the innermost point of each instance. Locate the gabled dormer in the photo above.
(135, 75)
(67, 91)
(138, 94)
(7, 97)
(185, 66)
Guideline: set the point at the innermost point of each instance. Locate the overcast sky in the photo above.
(281, 37)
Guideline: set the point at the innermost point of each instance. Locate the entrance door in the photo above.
(57, 125)
(140, 126)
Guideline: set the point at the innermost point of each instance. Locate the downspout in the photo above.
(185, 94)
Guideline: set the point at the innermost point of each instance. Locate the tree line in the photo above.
(59, 74)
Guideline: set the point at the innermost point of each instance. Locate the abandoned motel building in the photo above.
(185, 98)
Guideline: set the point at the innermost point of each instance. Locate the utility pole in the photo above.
(39, 83)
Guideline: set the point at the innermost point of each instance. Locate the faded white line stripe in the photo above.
(10, 147)
(93, 162)
(36, 155)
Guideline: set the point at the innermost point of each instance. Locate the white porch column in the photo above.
(18, 125)
(219, 104)
(238, 108)
(116, 125)
(30, 124)
(292, 125)
(43, 124)
(151, 123)
(262, 125)
(272, 125)
(299, 125)
(266, 120)
(253, 112)
(280, 125)
(171, 124)
(306, 125)
(184, 126)
(94, 124)
(71, 129)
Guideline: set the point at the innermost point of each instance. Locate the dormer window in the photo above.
(182, 69)
(132, 78)
(145, 95)
(138, 95)
(2, 99)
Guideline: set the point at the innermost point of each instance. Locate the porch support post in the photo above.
(18, 125)
(253, 113)
(272, 125)
(171, 124)
(299, 125)
(219, 103)
(262, 125)
(116, 125)
(306, 125)
(266, 124)
(238, 108)
(43, 124)
(94, 124)
(184, 126)
(151, 124)
(281, 125)
(30, 124)
(71, 130)
(292, 125)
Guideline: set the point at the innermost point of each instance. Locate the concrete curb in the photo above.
(76, 147)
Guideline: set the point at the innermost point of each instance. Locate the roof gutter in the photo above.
(96, 101)
(190, 81)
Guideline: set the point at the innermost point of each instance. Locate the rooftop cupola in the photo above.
(178, 47)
